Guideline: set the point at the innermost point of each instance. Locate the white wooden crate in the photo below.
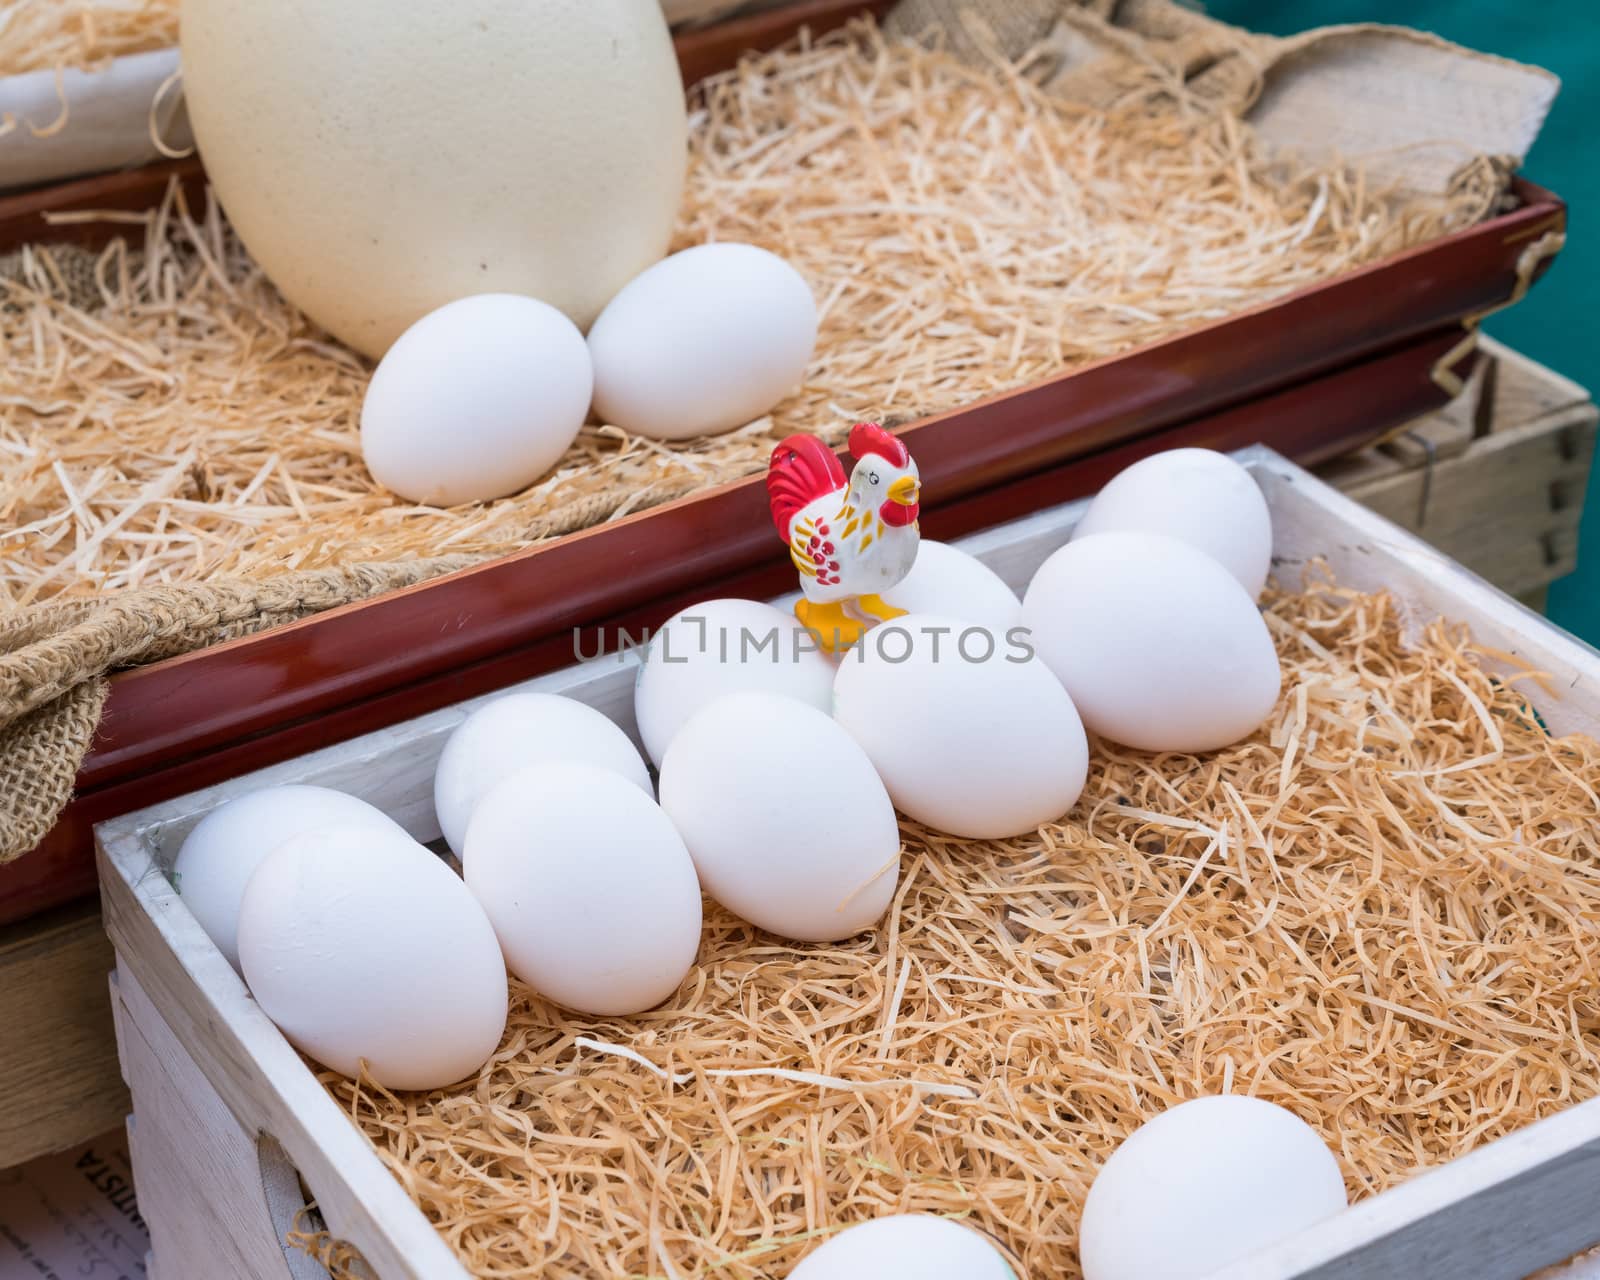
(226, 1110)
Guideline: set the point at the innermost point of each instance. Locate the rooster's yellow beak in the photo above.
(904, 490)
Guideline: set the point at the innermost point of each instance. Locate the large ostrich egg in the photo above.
(380, 160)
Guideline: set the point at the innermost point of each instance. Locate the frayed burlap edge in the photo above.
(1101, 53)
(1096, 51)
(39, 756)
(55, 660)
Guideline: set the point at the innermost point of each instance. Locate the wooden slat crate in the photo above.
(215, 1084)
(1496, 479)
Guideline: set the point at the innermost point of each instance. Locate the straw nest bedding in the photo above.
(1379, 912)
(82, 34)
(963, 231)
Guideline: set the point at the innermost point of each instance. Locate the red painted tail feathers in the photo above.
(869, 437)
(802, 469)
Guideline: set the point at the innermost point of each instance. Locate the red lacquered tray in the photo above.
(1314, 374)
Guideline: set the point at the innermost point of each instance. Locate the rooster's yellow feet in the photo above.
(834, 629)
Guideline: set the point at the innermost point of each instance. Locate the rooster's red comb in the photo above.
(869, 437)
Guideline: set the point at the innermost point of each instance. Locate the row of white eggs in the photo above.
(482, 396)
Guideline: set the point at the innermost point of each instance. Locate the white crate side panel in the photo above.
(1527, 1190)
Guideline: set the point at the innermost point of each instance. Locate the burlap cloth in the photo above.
(55, 658)
(1416, 112)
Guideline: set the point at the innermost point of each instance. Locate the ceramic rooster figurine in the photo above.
(850, 539)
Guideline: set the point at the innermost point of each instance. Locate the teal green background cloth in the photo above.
(1553, 323)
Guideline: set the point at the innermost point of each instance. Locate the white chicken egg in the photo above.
(905, 1246)
(946, 580)
(1204, 1185)
(588, 885)
(218, 857)
(971, 734)
(1198, 496)
(507, 735)
(1157, 643)
(704, 341)
(362, 945)
(476, 400)
(718, 647)
(787, 823)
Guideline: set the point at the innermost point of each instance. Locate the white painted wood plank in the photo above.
(208, 1172)
(118, 1017)
(192, 1167)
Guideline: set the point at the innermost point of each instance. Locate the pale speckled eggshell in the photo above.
(1198, 496)
(476, 400)
(971, 735)
(1158, 644)
(1204, 1185)
(218, 857)
(589, 887)
(508, 735)
(378, 168)
(704, 341)
(946, 580)
(787, 823)
(718, 647)
(905, 1246)
(361, 944)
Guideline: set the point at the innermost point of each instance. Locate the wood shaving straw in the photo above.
(963, 232)
(1379, 911)
(35, 34)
